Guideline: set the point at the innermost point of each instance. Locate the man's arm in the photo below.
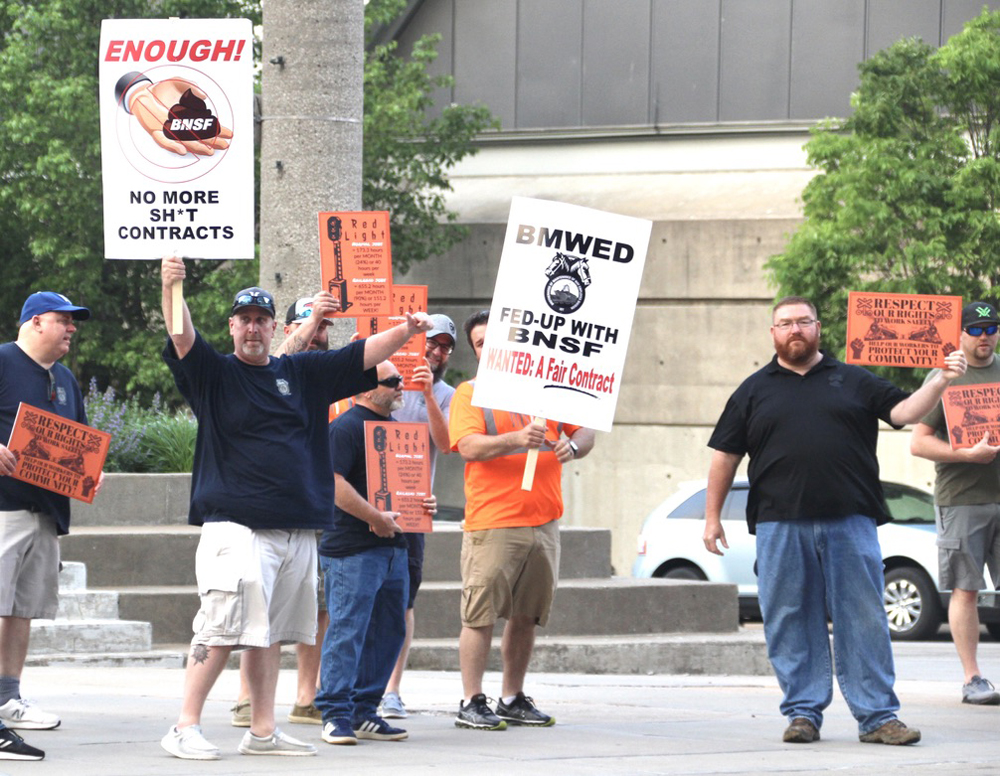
(349, 500)
(922, 401)
(583, 438)
(436, 420)
(324, 303)
(484, 447)
(925, 443)
(379, 347)
(721, 472)
(171, 269)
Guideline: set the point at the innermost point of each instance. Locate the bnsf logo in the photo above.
(192, 125)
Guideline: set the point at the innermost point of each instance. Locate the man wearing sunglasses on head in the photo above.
(256, 559)
(966, 496)
(364, 559)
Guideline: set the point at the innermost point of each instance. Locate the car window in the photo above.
(692, 509)
(735, 507)
(908, 505)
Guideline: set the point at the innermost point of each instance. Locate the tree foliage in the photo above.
(50, 165)
(906, 195)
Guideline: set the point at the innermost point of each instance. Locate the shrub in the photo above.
(169, 443)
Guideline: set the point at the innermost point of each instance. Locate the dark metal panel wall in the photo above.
(818, 80)
(754, 59)
(890, 20)
(685, 61)
(615, 62)
(549, 48)
(485, 56)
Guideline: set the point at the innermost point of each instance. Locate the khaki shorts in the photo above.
(29, 565)
(968, 539)
(508, 572)
(257, 587)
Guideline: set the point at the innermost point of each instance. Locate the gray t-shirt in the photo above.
(415, 411)
(962, 484)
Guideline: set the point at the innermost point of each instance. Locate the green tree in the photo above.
(51, 203)
(906, 195)
(407, 151)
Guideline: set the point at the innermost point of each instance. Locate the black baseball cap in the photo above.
(979, 314)
(253, 297)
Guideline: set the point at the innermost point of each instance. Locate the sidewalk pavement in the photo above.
(113, 719)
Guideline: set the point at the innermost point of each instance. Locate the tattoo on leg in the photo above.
(199, 653)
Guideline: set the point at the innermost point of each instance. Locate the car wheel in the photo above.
(912, 605)
(685, 571)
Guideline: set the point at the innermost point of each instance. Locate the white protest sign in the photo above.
(176, 106)
(562, 312)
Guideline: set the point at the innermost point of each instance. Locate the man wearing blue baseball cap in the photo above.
(31, 518)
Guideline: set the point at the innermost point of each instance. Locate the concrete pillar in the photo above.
(312, 106)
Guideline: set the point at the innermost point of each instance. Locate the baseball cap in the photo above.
(299, 310)
(442, 325)
(978, 314)
(50, 302)
(253, 297)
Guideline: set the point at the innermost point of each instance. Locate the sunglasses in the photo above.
(392, 382)
(979, 331)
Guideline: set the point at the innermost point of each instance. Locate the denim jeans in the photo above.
(366, 598)
(807, 569)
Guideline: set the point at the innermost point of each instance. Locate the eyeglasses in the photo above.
(802, 323)
(446, 350)
(979, 331)
(392, 382)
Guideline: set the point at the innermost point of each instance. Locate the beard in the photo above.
(253, 348)
(798, 350)
(397, 404)
(387, 402)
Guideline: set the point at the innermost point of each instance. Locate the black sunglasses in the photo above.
(392, 382)
(979, 331)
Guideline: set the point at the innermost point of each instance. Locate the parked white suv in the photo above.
(671, 546)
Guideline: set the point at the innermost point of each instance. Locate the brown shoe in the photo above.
(892, 732)
(801, 731)
(305, 715)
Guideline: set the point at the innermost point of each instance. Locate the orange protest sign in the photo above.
(57, 454)
(356, 262)
(971, 411)
(909, 330)
(397, 456)
(405, 299)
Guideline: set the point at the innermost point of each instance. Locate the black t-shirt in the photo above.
(56, 390)
(811, 440)
(349, 534)
(262, 458)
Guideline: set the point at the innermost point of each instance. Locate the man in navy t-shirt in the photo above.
(365, 568)
(256, 560)
(32, 518)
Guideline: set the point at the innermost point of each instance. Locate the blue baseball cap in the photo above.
(42, 302)
(253, 297)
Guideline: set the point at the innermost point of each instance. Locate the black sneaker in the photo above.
(13, 747)
(522, 711)
(477, 714)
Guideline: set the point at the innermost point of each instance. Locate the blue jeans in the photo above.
(366, 598)
(806, 570)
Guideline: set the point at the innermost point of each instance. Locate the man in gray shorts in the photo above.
(966, 495)
(256, 560)
(31, 518)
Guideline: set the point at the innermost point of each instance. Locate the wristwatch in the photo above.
(574, 447)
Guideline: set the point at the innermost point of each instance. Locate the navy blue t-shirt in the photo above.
(55, 390)
(811, 439)
(349, 534)
(262, 457)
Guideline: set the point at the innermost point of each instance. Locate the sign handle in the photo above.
(529, 464)
(177, 309)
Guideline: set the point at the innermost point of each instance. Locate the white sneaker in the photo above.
(189, 744)
(20, 713)
(276, 743)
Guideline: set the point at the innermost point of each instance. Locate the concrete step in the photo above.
(742, 653)
(87, 605)
(603, 607)
(89, 636)
(126, 556)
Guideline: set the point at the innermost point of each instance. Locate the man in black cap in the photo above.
(967, 500)
(31, 518)
(256, 560)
